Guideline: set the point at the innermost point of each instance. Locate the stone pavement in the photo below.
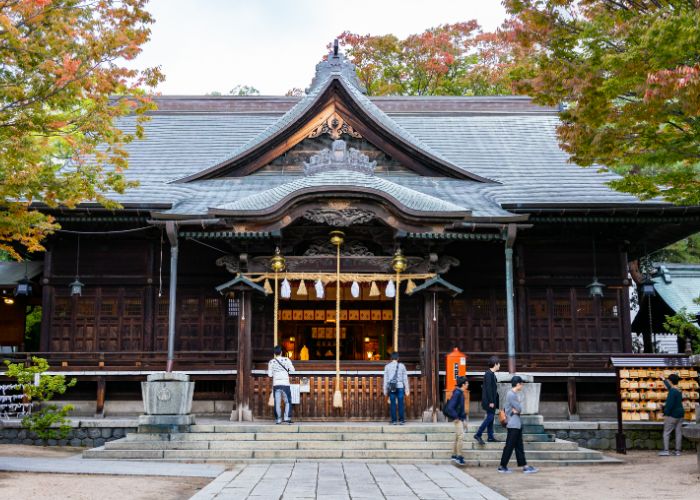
(345, 481)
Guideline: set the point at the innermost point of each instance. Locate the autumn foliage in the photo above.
(451, 59)
(628, 73)
(64, 79)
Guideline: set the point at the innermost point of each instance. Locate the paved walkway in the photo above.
(345, 481)
(78, 465)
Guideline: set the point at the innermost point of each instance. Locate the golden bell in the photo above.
(277, 262)
(399, 263)
(337, 237)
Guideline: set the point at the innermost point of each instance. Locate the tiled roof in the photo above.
(679, 285)
(340, 180)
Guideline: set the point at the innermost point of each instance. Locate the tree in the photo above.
(451, 59)
(628, 73)
(244, 90)
(685, 251)
(683, 324)
(63, 81)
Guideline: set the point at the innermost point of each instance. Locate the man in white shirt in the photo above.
(279, 368)
(396, 387)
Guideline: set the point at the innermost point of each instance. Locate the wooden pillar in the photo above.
(171, 230)
(510, 296)
(571, 398)
(244, 365)
(101, 393)
(431, 352)
(625, 316)
(46, 301)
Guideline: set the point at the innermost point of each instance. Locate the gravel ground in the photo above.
(644, 475)
(21, 450)
(93, 487)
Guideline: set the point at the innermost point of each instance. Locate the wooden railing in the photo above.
(363, 398)
(129, 361)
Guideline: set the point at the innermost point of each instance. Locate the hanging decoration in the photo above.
(398, 264)
(410, 286)
(286, 289)
(267, 287)
(277, 263)
(337, 238)
(327, 277)
(302, 288)
(355, 289)
(390, 289)
(320, 292)
(374, 290)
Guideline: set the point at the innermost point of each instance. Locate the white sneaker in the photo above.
(664, 453)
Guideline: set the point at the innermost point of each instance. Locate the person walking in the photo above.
(279, 368)
(489, 401)
(396, 387)
(455, 410)
(514, 441)
(673, 414)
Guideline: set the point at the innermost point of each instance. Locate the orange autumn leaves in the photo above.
(63, 84)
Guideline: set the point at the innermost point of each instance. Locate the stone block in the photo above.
(168, 376)
(167, 397)
(52, 442)
(106, 432)
(99, 441)
(530, 396)
(118, 433)
(62, 442)
(27, 441)
(94, 433)
(75, 442)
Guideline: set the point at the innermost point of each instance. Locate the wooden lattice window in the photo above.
(233, 308)
(62, 307)
(108, 307)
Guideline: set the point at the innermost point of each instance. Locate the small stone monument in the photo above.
(530, 394)
(167, 403)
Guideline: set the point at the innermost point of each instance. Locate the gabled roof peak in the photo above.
(335, 63)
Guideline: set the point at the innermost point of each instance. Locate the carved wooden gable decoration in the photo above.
(335, 107)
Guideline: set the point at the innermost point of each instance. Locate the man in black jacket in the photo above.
(489, 401)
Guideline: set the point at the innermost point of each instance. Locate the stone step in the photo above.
(316, 428)
(123, 444)
(531, 455)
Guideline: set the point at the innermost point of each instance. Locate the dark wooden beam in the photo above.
(242, 410)
(101, 393)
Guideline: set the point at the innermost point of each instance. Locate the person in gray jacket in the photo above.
(396, 387)
(514, 439)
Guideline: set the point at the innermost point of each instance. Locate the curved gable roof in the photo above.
(334, 87)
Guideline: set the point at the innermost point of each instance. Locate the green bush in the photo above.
(50, 422)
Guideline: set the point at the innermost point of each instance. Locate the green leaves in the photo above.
(682, 324)
(630, 71)
(50, 422)
(62, 65)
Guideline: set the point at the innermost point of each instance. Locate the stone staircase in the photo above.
(349, 441)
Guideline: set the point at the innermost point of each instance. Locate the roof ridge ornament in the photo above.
(339, 157)
(335, 63)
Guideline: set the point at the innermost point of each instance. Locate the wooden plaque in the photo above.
(308, 315)
(364, 315)
(286, 314)
(376, 314)
(387, 314)
(297, 315)
(353, 315)
(320, 315)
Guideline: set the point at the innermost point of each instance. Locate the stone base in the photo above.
(530, 396)
(167, 394)
(165, 423)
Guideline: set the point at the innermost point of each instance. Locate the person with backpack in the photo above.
(278, 370)
(489, 401)
(514, 439)
(454, 409)
(673, 414)
(396, 387)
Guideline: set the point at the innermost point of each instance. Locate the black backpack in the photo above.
(446, 407)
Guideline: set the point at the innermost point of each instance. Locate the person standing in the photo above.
(489, 401)
(278, 369)
(514, 440)
(455, 410)
(673, 414)
(396, 387)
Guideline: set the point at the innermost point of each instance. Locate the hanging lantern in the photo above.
(267, 286)
(76, 288)
(355, 289)
(390, 289)
(337, 237)
(302, 288)
(320, 292)
(595, 289)
(374, 290)
(286, 289)
(647, 287)
(23, 288)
